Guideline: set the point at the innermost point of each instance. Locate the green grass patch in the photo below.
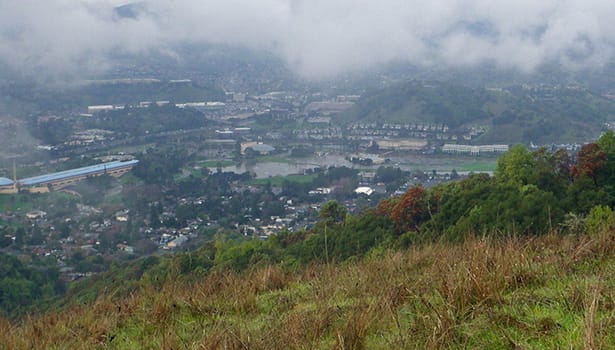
(273, 159)
(15, 202)
(479, 165)
(23, 202)
(117, 199)
(132, 149)
(278, 180)
(216, 163)
(187, 172)
(129, 179)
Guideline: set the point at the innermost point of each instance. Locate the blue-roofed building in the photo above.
(7, 186)
(43, 183)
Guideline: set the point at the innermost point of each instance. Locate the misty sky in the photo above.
(317, 38)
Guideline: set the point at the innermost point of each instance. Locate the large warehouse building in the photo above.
(7, 186)
(54, 181)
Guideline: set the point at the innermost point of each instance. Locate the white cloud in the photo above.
(317, 38)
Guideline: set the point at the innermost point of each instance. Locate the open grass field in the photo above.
(15, 203)
(216, 163)
(447, 163)
(274, 159)
(551, 292)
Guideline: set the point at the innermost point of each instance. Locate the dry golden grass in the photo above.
(519, 293)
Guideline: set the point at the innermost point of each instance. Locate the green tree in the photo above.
(606, 175)
(332, 212)
(606, 142)
(549, 173)
(515, 166)
(600, 218)
(20, 237)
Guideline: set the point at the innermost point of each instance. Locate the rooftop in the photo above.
(5, 182)
(364, 190)
(263, 148)
(36, 180)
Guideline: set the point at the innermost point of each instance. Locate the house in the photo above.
(177, 242)
(364, 190)
(260, 148)
(36, 214)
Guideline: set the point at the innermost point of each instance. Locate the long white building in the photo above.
(474, 150)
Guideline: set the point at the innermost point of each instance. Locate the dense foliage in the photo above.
(142, 121)
(21, 284)
(530, 193)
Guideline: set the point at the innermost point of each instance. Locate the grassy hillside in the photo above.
(531, 293)
(513, 115)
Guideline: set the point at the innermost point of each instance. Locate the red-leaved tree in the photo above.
(590, 159)
(411, 210)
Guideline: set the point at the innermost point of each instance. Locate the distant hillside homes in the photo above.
(402, 145)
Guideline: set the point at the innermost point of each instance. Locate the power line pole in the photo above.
(326, 248)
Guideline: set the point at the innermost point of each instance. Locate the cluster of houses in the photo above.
(373, 131)
(88, 137)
